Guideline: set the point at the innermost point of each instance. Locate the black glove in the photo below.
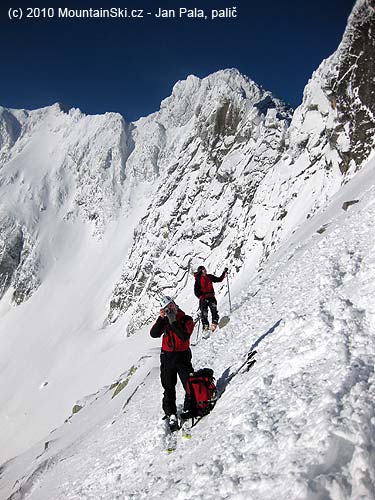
(171, 315)
(226, 270)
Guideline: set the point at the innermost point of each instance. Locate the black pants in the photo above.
(211, 303)
(171, 365)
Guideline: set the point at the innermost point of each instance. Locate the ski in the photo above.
(170, 439)
(250, 364)
(171, 442)
(170, 436)
(251, 354)
(248, 361)
(186, 429)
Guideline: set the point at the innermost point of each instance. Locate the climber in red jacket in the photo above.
(175, 327)
(204, 290)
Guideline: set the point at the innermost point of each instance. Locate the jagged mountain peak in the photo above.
(192, 96)
(222, 80)
(223, 106)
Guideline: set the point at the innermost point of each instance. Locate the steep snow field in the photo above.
(54, 348)
(298, 425)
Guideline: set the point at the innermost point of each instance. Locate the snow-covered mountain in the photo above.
(298, 425)
(214, 142)
(235, 191)
(98, 216)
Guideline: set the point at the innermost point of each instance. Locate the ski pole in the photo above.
(230, 303)
(187, 273)
(199, 329)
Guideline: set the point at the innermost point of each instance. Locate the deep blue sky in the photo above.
(130, 66)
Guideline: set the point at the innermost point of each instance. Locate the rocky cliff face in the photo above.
(244, 180)
(212, 143)
(338, 109)
(352, 88)
(330, 137)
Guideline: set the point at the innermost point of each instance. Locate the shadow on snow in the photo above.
(227, 376)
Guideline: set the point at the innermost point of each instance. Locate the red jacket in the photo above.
(176, 337)
(203, 287)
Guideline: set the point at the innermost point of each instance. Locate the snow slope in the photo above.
(76, 191)
(97, 216)
(298, 425)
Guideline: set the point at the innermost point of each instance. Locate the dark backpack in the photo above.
(202, 390)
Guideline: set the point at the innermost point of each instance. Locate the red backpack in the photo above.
(202, 390)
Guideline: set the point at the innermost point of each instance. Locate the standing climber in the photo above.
(175, 359)
(204, 290)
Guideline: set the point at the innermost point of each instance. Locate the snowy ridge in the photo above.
(61, 167)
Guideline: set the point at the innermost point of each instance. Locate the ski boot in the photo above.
(173, 423)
